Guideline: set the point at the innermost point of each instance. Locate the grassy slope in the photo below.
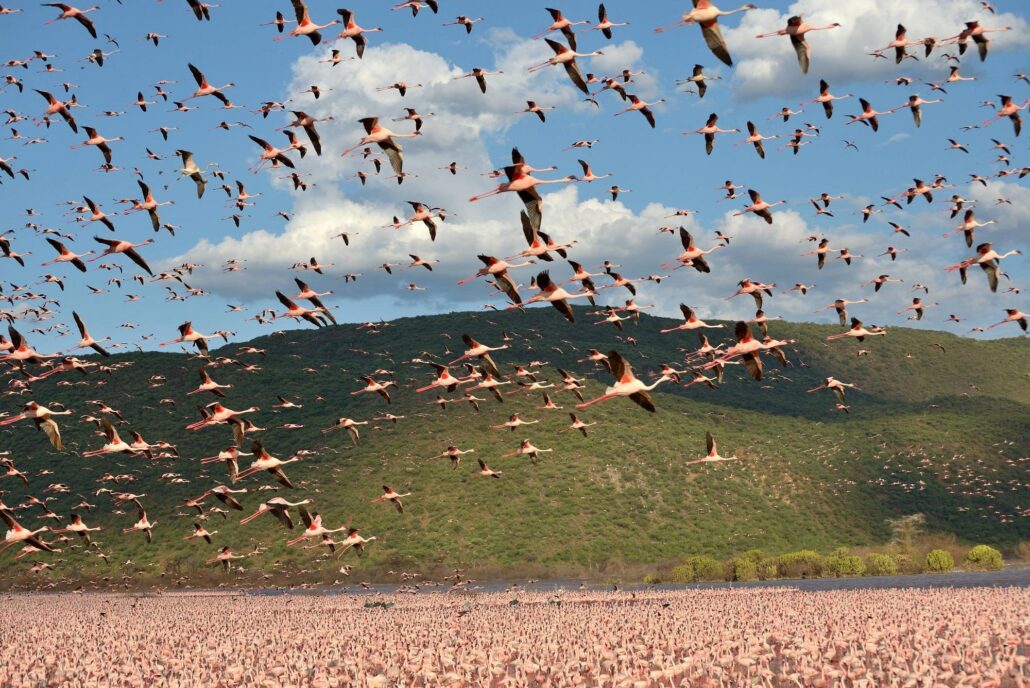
(939, 432)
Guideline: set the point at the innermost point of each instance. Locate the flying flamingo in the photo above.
(524, 184)
(263, 461)
(560, 23)
(555, 295)
(390, 496)
(384, 138)
(642, 107)
(69, 12)
(825, 98)
(43, 418)
(66, 256)
(206, 89)
(566, 57)
(526, 448)
(17, 534)
(710, 129)
(604, 24)
(796, 29)
(756, 138)
(354, 32)
(314, 529)
(706, 15)
(1013, 315)
(759, 207)
(351, 426)
(626, 385)
(142, 523)
(690, 321)
(858, 331)
(713, 453)
(305, 27)
(278, 507)
(87, 340)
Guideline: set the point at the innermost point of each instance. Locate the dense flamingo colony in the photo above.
(772, 637)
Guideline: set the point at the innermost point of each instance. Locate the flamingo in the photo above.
(17, 534)
(149, 204)
(486, 471)
(69, 12)
(206, 89)
(467, 22)
(578, 424)
(706, 15)
(55, 106)
(354, 540)
(305, 27)
(351, 426)
(977, 33)
(1013, 315)
(796, 29)
(374, 386)
(278, 507)
(43, 418)
(524, 184)
(79, 527)
(560, 23)
(555, 295)
(187, 335)
(868, 115)
(314, 527)
(100, 141)
(526, 448)
(699, 79)
(988, 259)
(87, 340)
(293, 310)
(825, 98)
(66, 256)
(224, 557)
(690, 321)
(566, 57)
(96, 215)
(710, 129)
(713, 453)
(759, 207)
(858, 331)
(626, 385)
(390, 496)
(354, 32)
(1011, 110)
(482, 352)
(638, 105)
(263, 461)
(143, 524)
(915, 104)
(384, 138)
(125, 247)
(756, 138)
(208, 385)
(114, 444)
(216, 414)
(836, 386)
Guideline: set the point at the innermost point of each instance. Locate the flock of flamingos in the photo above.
(584, 639)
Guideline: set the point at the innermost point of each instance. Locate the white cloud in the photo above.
(768, 66)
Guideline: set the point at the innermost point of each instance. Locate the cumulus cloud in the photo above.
(769, 66)
(465, 121)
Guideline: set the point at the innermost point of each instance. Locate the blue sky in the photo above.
(664, 169)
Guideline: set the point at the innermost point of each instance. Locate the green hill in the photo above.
(939, 425)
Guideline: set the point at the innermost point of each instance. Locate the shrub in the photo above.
(839, 563)
(939, 561)
(985, 558)
(878, 564)
(744, 569)
(904, 563)
(767, 569)
(802, 564)
(705, 568)
(1023, 550)
(753, 555)
(652, 579)
(684, 573)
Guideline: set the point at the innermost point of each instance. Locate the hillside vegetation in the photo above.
(939, 425)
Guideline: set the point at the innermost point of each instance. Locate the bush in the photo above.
(878, 564)
(744, 569)
(840, 563)
(684, 573)
(802, 564)
(767, 569)
(1023, 550)
(904, 563)
(705, 568)
(985, 558)
(652, 579)
(939, 561)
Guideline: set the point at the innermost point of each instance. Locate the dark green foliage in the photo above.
(802, 564)
(839, 563)
(809, 476)
(939, 561)
(879, 564)
(985, 558)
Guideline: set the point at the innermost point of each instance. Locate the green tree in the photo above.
(879, 564)
(839, 563)
(985, 558)
(939, 561)
(905, 529)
